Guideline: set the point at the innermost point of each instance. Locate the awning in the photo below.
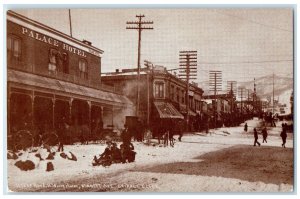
(167, 110)
(97, 95)
(183, 110)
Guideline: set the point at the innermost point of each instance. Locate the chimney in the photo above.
(117, 71)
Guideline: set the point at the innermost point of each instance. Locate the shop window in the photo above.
(13, 48)
(159, 90)
(83, 69)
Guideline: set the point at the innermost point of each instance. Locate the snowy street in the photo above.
(224, 160)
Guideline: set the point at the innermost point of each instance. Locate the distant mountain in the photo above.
(283, 87)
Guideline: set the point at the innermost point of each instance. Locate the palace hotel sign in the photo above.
(52, 41)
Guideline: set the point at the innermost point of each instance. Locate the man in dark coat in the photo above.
(126, 136)
(283, 135)
(127, 152)
(246, 127)
(256, 138)
(265, 134)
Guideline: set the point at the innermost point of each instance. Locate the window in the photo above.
(13, 48)
(172, 92)
(65, 63)
(191, 99)
(182, 96)
(159, 90)
(177, 94)
(58, 62)
(53, 60)
(83, 69)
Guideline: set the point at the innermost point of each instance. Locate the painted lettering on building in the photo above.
(51, 41)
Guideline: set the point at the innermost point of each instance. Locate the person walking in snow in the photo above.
(283, 135)
(246, 127)
(265, 134)
(255, 137)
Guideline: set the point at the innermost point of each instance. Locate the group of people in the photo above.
(264, 133)
(113, 154)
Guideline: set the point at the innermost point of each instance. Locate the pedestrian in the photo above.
(246, 127)
(255, 137)
(265, 134)
(283, 135)
(127, 152)
(63, 127)
(126, 137)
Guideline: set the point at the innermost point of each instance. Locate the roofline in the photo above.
(117, 75)
(47, 28)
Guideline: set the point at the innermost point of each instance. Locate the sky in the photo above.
(242, 43)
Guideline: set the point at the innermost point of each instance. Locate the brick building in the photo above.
(53, 77)
(162, 94)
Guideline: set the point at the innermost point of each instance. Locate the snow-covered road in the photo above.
(224, 160)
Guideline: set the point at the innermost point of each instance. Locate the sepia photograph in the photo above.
(150, 100)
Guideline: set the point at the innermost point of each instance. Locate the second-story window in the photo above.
(53, 59)
(172, 92)
(159, 89)
(83, 69)
(182, 96)
(13, 48)
(62, 62)
(177, 95)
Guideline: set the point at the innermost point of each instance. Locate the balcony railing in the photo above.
(21, 66)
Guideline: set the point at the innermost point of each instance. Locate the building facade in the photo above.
(162, 94)
(52, 77)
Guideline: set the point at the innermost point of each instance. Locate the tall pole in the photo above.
(139, 67)
(149, 70)
(70, 22)
(241, 95)
(187, 88)
(254, 96)
(139, 27)
(188, 66)
(273, 96)
(215, 84)
(231, 92)
(215, 96)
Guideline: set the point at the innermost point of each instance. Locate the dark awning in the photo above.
(96, 95)
(167, 110)
(183, 110)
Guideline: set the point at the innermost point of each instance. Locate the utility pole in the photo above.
(231, 90)
(139, 26)
(70, 22)
(254, 96)
(273, 96)
(188, 71)
(241, 95)
(231, 93)
(149, 66)
(215, 84)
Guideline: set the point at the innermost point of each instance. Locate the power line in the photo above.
(251, 21)
(242, 62)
